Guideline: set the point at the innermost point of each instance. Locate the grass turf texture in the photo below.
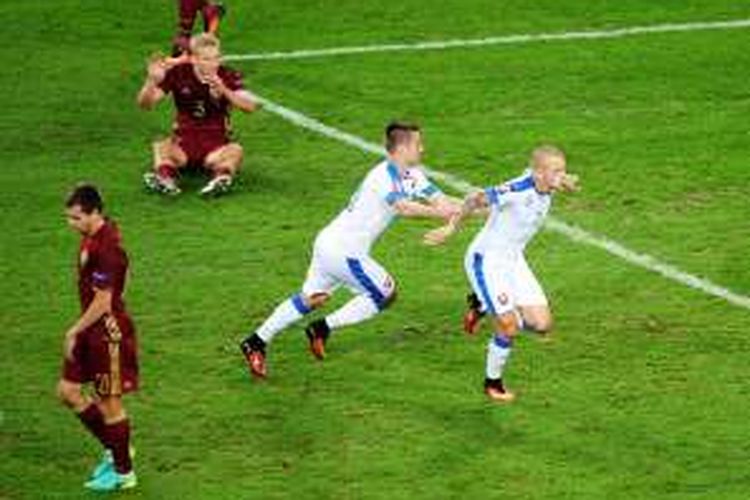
(642, 392)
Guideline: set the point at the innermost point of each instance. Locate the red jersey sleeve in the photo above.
(232, 79)
(106, 266)
(168, 84)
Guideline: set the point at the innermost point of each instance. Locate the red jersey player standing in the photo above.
(187, 12)
(100, 347)
(204, 91)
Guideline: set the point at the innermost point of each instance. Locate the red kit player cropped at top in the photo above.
(105, 353)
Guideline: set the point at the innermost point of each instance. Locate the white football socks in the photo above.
(360, 308)
(285, 314)
(498, 351)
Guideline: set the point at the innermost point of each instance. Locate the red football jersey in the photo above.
(102, 264)
(196, 107)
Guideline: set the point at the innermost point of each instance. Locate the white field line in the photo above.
(574, 233)
(496, 40)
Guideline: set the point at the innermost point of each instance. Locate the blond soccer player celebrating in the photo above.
(504, 286)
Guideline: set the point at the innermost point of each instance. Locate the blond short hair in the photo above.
(204, 41)
(540, 153)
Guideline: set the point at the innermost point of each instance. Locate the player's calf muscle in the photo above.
(539, 321)
(316, 300)
(165, 151)
(112, 409)
(540, 325)
(227, 158)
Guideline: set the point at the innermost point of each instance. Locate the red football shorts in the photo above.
(106, 354)
(198, 143)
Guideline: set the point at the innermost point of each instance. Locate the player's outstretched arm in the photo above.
(241, 99)
(101, 305)
(442, 199)
(408, 208)
(570, 183)
(244, 100)
(474, 202)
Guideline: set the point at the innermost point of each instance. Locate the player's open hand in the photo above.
(570, 183)
(439, 235)
(157, 69)
(215, 84)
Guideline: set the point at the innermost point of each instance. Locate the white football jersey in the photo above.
(517, 211)
(370, 210)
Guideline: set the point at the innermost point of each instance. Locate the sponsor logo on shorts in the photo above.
(388, 283)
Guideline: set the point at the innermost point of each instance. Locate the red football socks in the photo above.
(118, 436)
(93, 420)
(211, 17)
(188, 10)
(166, 171)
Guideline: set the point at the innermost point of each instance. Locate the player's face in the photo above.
(207, 61)
(78, 219)
(414, 149)
(552, 171)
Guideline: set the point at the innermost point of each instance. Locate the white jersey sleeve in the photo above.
(517, 210)
(418, 186)
(500, 196)
(387, 183)
(497, 196)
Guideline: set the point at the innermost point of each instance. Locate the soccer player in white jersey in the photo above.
(341, 252)
(504, 285)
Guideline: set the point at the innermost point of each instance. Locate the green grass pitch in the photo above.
(642, 392)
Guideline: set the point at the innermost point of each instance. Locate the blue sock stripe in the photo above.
(355, 266)
(479, 275)
(502, 341)
(299, 304)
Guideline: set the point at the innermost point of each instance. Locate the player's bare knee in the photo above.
(316, 300)
(112, 409)
(235, 150)
(390, 298)
(540, 323)
(543, 326)
(233, 156)
(507, 324)
(166, 151)
(161, 148)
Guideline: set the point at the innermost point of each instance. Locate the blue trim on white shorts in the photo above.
(482, 283)
(355, 266)
(299, 304)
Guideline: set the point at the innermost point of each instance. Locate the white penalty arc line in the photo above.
(496, 40)
(573, 232)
